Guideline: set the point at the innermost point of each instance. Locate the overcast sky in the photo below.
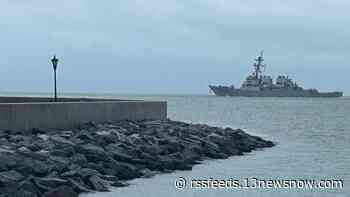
(171, 46)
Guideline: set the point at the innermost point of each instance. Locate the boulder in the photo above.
(63, 151)
(51, 182)
(216, 138)
(44, 137)
(170, 146)
(61, 142)
(147, 173)
(21, 193)
(62, 191)
(90, 158)
(171, 163)
(95, 166)
(19, 139)
(6, 149)
(109, 178)
(88, 126)
(191, 154)
(74, 166)
(34, 147)
(4, 141)
(83, 173)
(86, 172)
(98, 184)
(29, 166)
(37, 131)
(85, 136)
(78, 185)
(53, 174)
(8, 178)
(66, 134)
(119, 184)
(105, 139)
(28, 187)
(122, 170)
(27, 153)
(120, 154)
(92, 153)
(3, 134)
(59, 164)
(79, 159)
(44, 144)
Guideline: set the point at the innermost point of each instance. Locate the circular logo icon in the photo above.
(180, 183)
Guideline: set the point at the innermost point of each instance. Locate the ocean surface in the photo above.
(312, 136)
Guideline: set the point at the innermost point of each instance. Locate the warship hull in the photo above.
(231, 91)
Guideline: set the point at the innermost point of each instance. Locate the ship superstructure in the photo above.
(259, 85)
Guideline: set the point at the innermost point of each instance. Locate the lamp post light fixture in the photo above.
(54, 62)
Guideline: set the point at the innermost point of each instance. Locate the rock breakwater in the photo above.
(93, 157)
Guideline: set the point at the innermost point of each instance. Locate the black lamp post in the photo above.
(54, 61)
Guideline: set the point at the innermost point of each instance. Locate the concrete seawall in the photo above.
(27, 113)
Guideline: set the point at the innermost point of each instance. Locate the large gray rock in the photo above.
(109, 178)
(27, 153)
(120, 154)
(123, 170)
(86, 172)
(37, 131)
(62, 191)
(106, 137)
(173, 163)
(61, 141)
(95, 166)
(66, 134)
(59, 164)
(8, 160)
(83, 173)
(21, 193)
(90, 158)
(28, 188)
(3, 134)
(147, 173)
(85, 136)
(51, 182)
(78, 185)
(92, 152)
(170, 146)
(8, 178)
(29, 166)
(43, 143)
(79, 159)
(98, 184)
(63, 152)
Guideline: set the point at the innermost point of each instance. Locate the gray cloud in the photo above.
(174, 46)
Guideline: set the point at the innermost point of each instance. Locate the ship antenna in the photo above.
(258, 65)
(263, 65)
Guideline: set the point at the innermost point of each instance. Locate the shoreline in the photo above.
(93, 157)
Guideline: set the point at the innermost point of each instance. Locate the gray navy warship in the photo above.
(259, 85)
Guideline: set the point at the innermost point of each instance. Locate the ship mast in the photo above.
(258, 65)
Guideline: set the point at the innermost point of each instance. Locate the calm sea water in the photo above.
(313, 136)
